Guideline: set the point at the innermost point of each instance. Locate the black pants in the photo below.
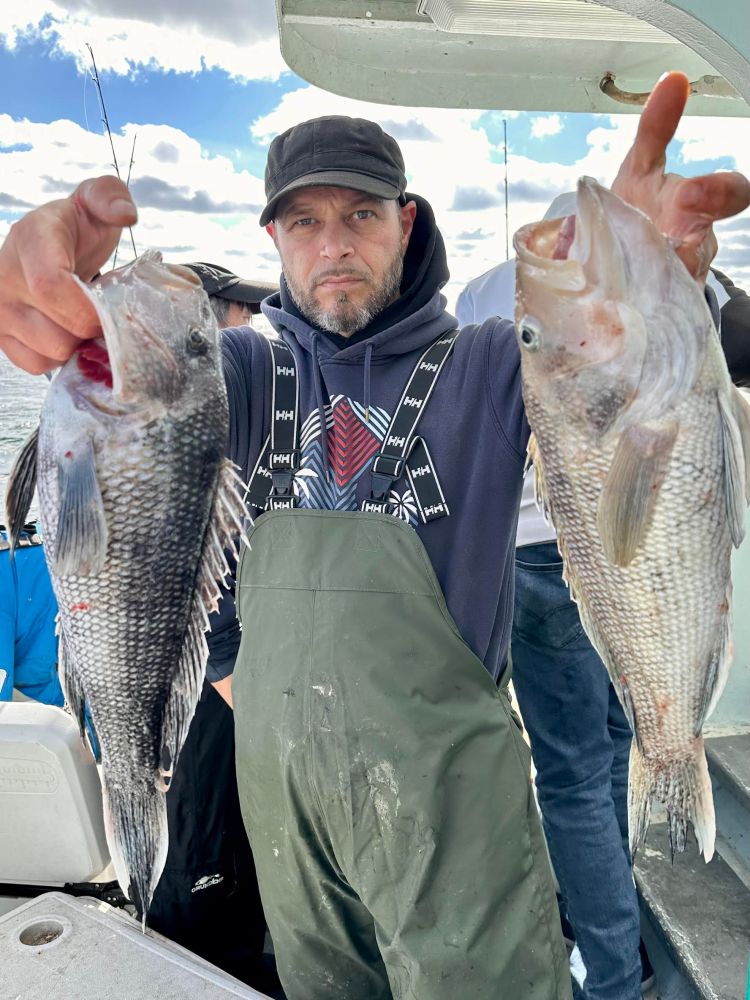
(207, 899)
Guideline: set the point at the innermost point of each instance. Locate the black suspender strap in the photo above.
(425, 485)
(402, 446)
(402, 452)
(271, 482)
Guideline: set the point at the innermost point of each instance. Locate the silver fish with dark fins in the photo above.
(138, 505)
(640, 449)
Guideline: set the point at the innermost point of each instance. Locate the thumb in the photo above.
(107, 200)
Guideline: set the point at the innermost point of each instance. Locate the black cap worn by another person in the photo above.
(223, 284)
(334, 151)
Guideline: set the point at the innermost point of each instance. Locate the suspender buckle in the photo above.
(390, 466)
(283, 465)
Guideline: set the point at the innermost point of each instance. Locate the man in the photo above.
(383, 781)
(580, 738)
(207, 898)
(234, 300)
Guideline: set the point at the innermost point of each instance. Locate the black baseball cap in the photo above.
(333, 150)
(221, 283)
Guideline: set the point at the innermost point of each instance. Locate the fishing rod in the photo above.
(105, 120)
(127, 185)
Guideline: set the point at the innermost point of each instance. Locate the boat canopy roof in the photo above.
(532, 55)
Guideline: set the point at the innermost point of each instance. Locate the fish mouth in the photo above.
(568, 252)
(133, 360)
(94, 365)
(93, 362)
(543, 253)
(549, 240)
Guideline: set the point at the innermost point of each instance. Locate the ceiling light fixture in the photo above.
(574, 19)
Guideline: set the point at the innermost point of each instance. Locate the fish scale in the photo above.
(137, 506)
(639, 449)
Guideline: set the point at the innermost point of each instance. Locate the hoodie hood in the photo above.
(415, 319)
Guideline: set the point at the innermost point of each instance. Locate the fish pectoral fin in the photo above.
(631, 489)
(734, 412)
(81, 542)
(20, 489)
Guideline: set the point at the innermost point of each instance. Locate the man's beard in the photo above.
(344, 317)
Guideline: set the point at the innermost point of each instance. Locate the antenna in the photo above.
(105, 121)
(505, 154)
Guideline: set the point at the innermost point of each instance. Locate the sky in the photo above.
(195, 92)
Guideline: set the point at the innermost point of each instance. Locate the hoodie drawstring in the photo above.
(318, 383)
(366, 392)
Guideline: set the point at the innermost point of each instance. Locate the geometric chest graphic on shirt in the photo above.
(353, 443)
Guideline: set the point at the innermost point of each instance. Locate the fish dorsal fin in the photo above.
(20, 489)
(734, 414)
(631, 489)
(225, 524)
(81, 539)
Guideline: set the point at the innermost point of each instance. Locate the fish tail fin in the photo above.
(684, 786)
(641, 789)
(136, 829)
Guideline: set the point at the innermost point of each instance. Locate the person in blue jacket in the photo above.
(28, 645)
(383, 781)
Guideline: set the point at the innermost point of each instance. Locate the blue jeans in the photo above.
(580, 741)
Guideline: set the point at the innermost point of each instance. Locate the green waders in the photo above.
(384, 785)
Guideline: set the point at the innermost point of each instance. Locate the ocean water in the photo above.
(21, 398)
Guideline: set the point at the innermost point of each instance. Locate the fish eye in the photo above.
(529, 334)
(196, 343)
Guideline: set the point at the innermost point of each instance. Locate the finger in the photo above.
(697, 250)
(714, 196)
(40, 334)
(659, 121)
(107, 200)
(24, 357)
(76, 234)
(44, 246)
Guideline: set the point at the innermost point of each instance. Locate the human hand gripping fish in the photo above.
(641, 448)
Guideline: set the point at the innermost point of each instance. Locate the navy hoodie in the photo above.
(474, 426)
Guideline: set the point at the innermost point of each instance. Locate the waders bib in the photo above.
(383, 782)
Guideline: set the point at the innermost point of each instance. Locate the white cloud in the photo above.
(445, 150)
(237, 36)
(53, 158)
(545, 126)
